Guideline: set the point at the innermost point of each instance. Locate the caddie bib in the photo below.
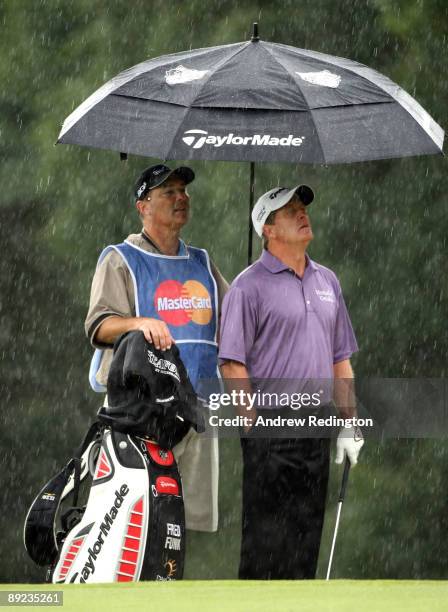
(181, 291)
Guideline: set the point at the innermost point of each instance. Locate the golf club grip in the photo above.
(344, 479)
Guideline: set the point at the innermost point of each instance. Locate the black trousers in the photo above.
(284, 494)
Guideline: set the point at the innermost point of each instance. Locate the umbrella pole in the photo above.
(251, 205)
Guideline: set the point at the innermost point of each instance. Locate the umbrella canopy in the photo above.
(254, 101)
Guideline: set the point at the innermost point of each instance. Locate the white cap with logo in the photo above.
(275, 199)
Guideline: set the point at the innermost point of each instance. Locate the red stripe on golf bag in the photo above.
(67, 562)
(103, 466)
(129, 558)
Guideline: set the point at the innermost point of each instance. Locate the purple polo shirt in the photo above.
(282, 326)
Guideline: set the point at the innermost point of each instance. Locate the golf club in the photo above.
(338, 515)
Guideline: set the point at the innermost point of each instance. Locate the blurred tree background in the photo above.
(381, 226)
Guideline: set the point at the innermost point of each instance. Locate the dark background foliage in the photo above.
(381, 226)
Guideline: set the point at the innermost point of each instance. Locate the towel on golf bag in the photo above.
(149, 392)
(133, 526)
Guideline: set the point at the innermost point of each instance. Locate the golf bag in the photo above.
(133, 525)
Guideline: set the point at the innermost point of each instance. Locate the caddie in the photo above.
(284, 318)
(172, 292)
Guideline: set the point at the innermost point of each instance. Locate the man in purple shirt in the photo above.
(284, 317)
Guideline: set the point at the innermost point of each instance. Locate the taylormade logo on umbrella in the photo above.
(198, 138)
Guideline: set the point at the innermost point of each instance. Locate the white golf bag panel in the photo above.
(133, 527)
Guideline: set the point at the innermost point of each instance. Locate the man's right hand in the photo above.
(156, 331)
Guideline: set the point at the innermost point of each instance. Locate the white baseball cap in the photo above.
(275, 199)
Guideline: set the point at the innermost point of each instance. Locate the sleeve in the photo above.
(238, 326)
(112, 294)
(344, 342)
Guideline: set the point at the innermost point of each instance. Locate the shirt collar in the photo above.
(274, 265)
(312, 265)
(182, 248)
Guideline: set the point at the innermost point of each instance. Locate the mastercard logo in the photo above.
(178, 304)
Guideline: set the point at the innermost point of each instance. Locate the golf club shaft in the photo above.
(338, 515)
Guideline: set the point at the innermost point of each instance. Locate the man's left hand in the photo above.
(350, 441)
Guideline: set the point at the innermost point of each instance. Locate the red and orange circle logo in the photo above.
(178, 304)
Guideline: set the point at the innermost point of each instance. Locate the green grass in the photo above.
(248, 596)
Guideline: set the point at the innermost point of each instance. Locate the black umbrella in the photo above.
(254, 101)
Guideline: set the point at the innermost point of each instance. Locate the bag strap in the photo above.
(94, 429)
